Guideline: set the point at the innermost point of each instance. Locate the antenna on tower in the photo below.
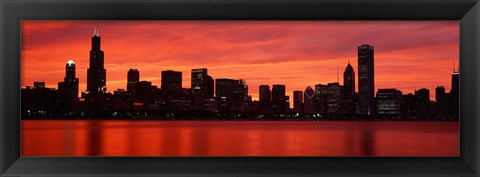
(95, 30)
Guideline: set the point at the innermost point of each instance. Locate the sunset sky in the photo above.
(408, 54)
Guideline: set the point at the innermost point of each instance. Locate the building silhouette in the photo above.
(145, 92)
(441, 100)
(96, 73)
(422, 99)
(171, 84)
(265, 99)
(202, 84)
(225, 87)
(455, 94)
(321, 92)
(298, 101)
(349, 81)
(389, 101)
(133, 77)
(231, 94)
(333, 98)
(39, 100)
(68, 89)
(348, 94)
(309, 100)
(279, 102)
(455, 84)
(366, 81)
(408, 106)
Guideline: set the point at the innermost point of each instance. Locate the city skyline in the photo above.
(290, 79)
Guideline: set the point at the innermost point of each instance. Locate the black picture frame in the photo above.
(14, 11)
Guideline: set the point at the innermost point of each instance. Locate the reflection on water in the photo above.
(238, 138)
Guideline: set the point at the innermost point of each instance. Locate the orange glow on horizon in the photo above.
(408, 54)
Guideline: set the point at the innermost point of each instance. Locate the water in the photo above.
(238, 138)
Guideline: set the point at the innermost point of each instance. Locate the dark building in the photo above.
(441, 100)
(366, 81)
(39, 100)
(333, 98)
(440, 94)
(202, 84)
(145, 92)
(389, 101)
(321, 98)
(265, 99)
(309, 100)
(133, 77)
(279, 102)
(455, 95)
(231, 94)
(242, 90)
(298, 101)
(348, 94)
(172, 83)
(225, 87)
(96, 73)
(455, 84)
(121, 102)
(409, 105)
(349, 81)
(68, 89)
(422, 98)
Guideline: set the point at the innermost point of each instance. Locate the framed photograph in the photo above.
(239, 88)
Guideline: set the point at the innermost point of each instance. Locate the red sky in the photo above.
(408, 54)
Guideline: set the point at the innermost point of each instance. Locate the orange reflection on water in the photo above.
(238, 138)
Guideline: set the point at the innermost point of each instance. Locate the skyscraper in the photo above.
(133, 77)
(348, 92)
(366, 81)
(321, 98)
(349, 81)
(455, 84)
(171, 83)
(70, 82)
(265, 99)
(279, 104)
(455, 94)
(308, 100)
(68, 89)
(298, 101)
(96, 73)
(201, 83)
(333, 98)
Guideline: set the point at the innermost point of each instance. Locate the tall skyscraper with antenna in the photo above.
(96, 73)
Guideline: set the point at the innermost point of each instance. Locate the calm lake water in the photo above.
(238, 138)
